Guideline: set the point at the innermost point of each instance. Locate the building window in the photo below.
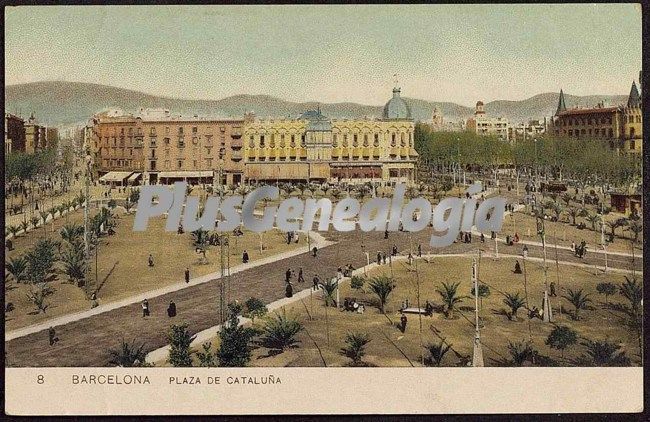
(195, 129)
(355, 143)
(152, 130)
(152, 142)
(365, 140)
(282, 144)
(261, 141)
(293, 141)
(345, 141)
(181, 143)
(166, 164)
(194, 163)
(393, 140)
(180, 164)
(376, 143)
(302, 140)
(251, 142)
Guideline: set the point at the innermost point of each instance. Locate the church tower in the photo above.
(561, 105)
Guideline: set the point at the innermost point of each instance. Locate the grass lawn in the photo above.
(597, 322)
(123, 268)
(526, 226)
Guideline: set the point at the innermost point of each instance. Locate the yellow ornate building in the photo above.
(315, 148)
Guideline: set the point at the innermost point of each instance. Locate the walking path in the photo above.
(319, 242)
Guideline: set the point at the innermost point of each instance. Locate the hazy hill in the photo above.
(56, 102)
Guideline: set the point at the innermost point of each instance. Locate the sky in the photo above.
(343, 53)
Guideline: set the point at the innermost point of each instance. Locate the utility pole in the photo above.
(477, 359)
(548, 313)
(86, 212)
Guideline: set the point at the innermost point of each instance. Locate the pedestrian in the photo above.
(404, 320)
(525, 251)
(150, 260)
(339, 273)
(145, 308)
(297, 237)
(313, 251)
(52, 336)
(386, 234)
(187, 275)
(410, 259)
(552, 287)
(171, 310)
(9, 244)
(301, 279)
(573, 248)
(244, 257)
(482, 238)
(315, 282)
(378, 258)
(394, 252)
(93, 301)
(517, 268)
(383, 257)
(287, 276)
(419, 250)
(288, 292)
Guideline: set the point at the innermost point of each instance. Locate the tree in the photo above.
(279, 332)
(567, 198)
(129, 355)
(382, 286)
(357, 282)
(255, 308)
(578, 299)
(17, 267)
(72, 232)
(557, 210)
(234, 347)
(74, 261)
(24, 225)
(38, 295)
(604, 353)
(607, 289)
(633, 292)
(40, 261)
(13, 230)
(483, 291)
(575, 212)
(561, 337)
(206, 357)
(614, 224)
(180, 339)
(520, 352)
(437, 352)
(329, 291)
(450, 297)
(593, 219)
(355, 347)
(514, 302)
(34, 220)
(635, 227)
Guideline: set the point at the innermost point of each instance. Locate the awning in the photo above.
(115, 176)
(184, 174)
(134, 177)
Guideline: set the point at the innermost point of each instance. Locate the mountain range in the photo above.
(65, 103)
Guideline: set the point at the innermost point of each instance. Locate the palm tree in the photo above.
(75, 263)
(71, 232)
(279, 332)
(450, 297)
(128, 355)
(13, 230)
(567, 198)
(34, 220)
(578, 299)
(593, 219)
(355, 347)
(24, 226)
(17, 267)
(520, 352)
(382, 286)
(437, 352)
(329, 291)
(514, 302)
(604, 353)
(633, 292)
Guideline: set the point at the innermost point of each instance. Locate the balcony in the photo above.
(235, 134)
(236, 144)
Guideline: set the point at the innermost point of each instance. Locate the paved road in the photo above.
(87, 342)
